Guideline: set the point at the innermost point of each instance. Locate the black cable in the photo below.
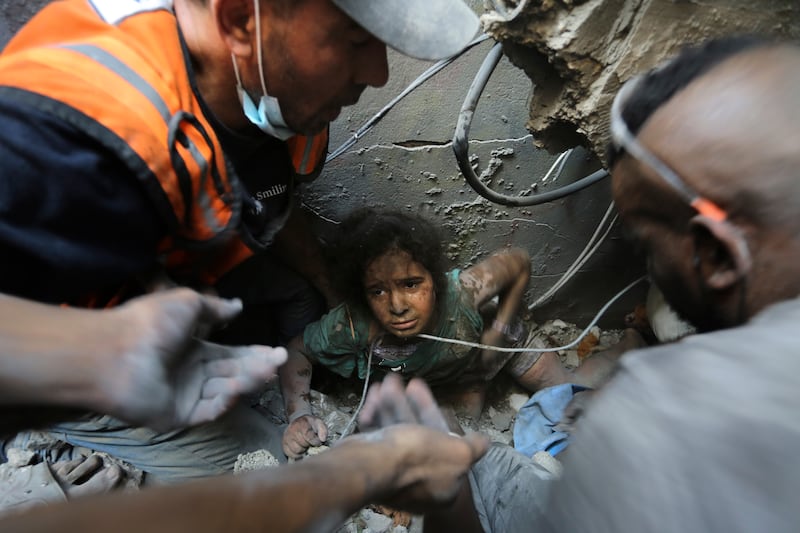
(422, 78)
(461, 146)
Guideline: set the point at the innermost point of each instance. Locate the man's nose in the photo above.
(373, 65)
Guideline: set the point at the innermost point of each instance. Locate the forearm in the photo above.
(316, 494)
(51, 355)
(295, 378)
(498, 332)
(492, 337)
(510, 272)
(511, 297)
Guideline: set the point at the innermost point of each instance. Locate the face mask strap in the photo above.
(236, 72)
(264, 112)
(259, 53)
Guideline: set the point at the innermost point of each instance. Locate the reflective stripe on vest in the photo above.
(126, 86)
(308, 152)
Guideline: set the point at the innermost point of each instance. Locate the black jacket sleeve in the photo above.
(73, 219)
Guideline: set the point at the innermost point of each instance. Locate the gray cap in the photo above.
(425, 29)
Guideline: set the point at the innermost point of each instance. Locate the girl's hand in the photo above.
(303, 433)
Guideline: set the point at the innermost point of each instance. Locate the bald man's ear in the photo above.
(237, 24)
(722, 256)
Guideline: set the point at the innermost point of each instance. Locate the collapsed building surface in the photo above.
(579, 52)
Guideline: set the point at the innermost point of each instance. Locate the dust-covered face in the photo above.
(400, 293)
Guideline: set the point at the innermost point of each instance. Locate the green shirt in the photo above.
(340, 341)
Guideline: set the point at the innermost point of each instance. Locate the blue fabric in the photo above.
(534, 429)
(510, 491)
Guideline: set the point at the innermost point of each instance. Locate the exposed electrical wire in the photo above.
(580, 337)
(539, 350)
(347, 429)
(461, 146)
(422, 78)
(591, 247)
(560, 162)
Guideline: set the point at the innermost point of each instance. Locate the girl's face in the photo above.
(400, 293)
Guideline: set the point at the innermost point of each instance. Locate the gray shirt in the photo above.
(700, 435)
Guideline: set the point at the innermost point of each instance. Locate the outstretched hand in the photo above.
(389, 402)
(165, 377)
(432, 462)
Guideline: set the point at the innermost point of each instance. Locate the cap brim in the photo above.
(425, 29)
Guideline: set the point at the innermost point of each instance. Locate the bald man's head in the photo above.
(730, 128)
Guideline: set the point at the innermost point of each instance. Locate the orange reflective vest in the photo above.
(116, 70)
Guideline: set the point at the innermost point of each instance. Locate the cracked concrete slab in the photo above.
(578, 52)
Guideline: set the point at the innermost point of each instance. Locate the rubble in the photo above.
(579, 52)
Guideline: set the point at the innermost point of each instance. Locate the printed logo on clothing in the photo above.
(275, 190)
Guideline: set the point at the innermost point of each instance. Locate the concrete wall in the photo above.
(407, 162)
(580, 51)
(13, 14)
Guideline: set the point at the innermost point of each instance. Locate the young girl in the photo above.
(392, 264)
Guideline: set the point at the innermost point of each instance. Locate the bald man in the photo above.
(702, 435)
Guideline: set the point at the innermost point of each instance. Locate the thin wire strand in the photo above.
(575, 267)
(346, 431)
(422, 78)
(539, 350)
(560, 163)
(585, 254)
(580, 337)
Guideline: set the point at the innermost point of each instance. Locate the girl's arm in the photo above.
(305, 429)
(504, 274)
(295, 378)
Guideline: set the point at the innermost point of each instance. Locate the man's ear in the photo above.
(721, 253)
(236, 22)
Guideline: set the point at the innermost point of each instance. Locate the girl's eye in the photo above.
(375, 292)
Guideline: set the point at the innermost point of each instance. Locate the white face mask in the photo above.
(267, 114)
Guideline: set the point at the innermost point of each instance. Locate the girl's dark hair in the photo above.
(366, 234)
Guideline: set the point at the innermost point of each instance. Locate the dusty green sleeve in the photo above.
(336, 344)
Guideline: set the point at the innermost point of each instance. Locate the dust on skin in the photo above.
(474, 285)
(400, 294)
(292, 406)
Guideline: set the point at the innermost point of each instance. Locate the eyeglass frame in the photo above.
(623, 139)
